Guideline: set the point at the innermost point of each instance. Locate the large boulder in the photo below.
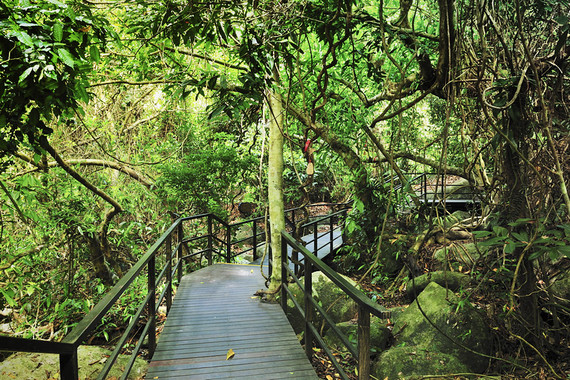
(455, 218)
(339, 306)
(459, 326)
(406, 361)
(450, 280)
(460, 254)
(379, 335)
(23, 365)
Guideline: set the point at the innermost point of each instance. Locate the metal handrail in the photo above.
(365, 306)
(67, 348)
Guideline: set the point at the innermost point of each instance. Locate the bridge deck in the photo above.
(214, 310)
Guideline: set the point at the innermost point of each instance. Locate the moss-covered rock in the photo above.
(463, 254)
(455, 218)
(331, 298)
(23, 365)
(379, 335)
(410, 361)
(460, 327)
(450, 280)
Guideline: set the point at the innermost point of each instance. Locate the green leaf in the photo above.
(66, 57)
(510, 247)
(8, 298)
(58, 32)
(94, 53)
(481, 234)
(523, 237)
(24, 38)
(25, 74)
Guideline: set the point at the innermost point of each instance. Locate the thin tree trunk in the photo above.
(275, 186)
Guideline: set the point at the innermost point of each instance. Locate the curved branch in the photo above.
(91, 162)
(453, 170)
(200, 56)
(44, 143)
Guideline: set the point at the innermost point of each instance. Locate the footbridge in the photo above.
(216, 328)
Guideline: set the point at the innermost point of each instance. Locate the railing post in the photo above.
(308, 308)
(228, 243)
(168, 248)
(210, 241)
(315, 240)
(284, 264)
(363, 343)
(254, 228)
(331, 234)
(179, 253)
(152, 305)
(424, 183)
(68, 366)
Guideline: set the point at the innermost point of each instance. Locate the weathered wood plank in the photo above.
(214, 310)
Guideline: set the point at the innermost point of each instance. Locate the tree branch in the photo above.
(91, 162)
(44, 143)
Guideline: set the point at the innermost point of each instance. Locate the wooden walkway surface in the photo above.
(214, 311)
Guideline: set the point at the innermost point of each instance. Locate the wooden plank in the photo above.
(214, 310)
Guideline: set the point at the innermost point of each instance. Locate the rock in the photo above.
(23, 365)
(462, 254)
(450, 280)
(339, 306)
(455, 218)
(403, 362)
(244, 258)
(463, 325)
(459, 189)
(379, 335)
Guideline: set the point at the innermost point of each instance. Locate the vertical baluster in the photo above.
(331, 234)
(180, 253)
(315, 240)
(168, 248)
(284, 264)
(210, 241)
(308, 307)
(254, 228)
(228, 243)
(68, 366)
(152, 305)
(363, 343)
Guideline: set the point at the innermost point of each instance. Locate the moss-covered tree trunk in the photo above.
(275, 186)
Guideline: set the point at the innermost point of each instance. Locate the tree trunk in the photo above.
(275, 186)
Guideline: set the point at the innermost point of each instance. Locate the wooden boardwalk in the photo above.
(214, 311)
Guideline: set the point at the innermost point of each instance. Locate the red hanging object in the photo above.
(307, 145)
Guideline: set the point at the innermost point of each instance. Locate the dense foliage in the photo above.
(153, 107)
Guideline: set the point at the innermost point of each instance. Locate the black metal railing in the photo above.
(204, 235)
(432, 189)
(365, 306)
(67, 348)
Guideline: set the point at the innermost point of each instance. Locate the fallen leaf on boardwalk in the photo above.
(230, 354)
